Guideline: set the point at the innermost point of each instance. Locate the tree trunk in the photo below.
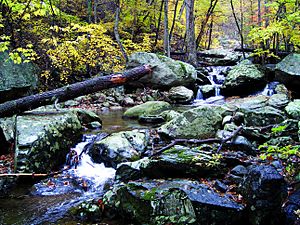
(13, 107)
(158, 23)
(190, 33)
(174, 19)
(238, 27)
(116, 31)
(166, 30)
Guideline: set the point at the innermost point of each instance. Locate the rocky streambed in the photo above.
(228, 161)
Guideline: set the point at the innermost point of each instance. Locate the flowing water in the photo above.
(49, 200)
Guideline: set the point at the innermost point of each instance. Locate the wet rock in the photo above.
(7, 127)
(220, 186)
(169, 115)
(89, 211)
(120, 147)
(166, 71)
(291, 207)
(147, 108)
(127, 101)
(293, 109)
(6, 183)
(94, 125)
(264, 190)
(207, 90)
(279, 101)
(220, 57)
(174, 162)
(87, 116)
(201, 122)
(180, 94)
(288, 72)
(239, 170)
(44, 139)
(16, 80)
(174, 201)
(154, 119)
(243, 79)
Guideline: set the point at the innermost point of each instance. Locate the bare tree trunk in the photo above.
(209, 13)
(174, 19)
(259, 12)
(13, 107)
(210, 32)
(158, 24)
(166, 30)
(238, 27)
(95, 10)
(190, 33)
(116, 32)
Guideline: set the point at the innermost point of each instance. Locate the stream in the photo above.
(48, 201)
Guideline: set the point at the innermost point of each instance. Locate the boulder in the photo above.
(147, 108)
(166, 71)
(208, 90)
(293, 109)
(201, 122)
(264, 190)
(176, 201)
(258, 111)
(7, 127)
(291, 207)
(44, 139)
(175, 162)
(288, 72)
(279, 101)
(16, 80)
(180, 94)
(219, 57)
(243, 79)
(120, 147)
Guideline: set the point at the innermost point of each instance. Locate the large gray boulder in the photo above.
(166, 71)
(201, 122)
(293, 109)
(288, 71)
(220, 57)
(176, 201)
(243, 79)
(44, 139)
(16, 80)
(180, 94)
(120, 147)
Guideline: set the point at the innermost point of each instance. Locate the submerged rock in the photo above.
(120, 147)
(173, 201)
(243, 79)
(166, 71)
(201, 122)
(147, 108)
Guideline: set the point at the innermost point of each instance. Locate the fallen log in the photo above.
(17, 106)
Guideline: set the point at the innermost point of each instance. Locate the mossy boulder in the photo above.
(177, 201)
(201, 122)
(16, 80)
(147, 109)
(120, 147)
(166, 71)
(288, 71)
(243, 79)
(293, 109)
(43, 140)
(175, 162)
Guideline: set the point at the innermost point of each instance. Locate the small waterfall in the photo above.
(269, 90)
(199, 95)
(85, 178)
(216, 86)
